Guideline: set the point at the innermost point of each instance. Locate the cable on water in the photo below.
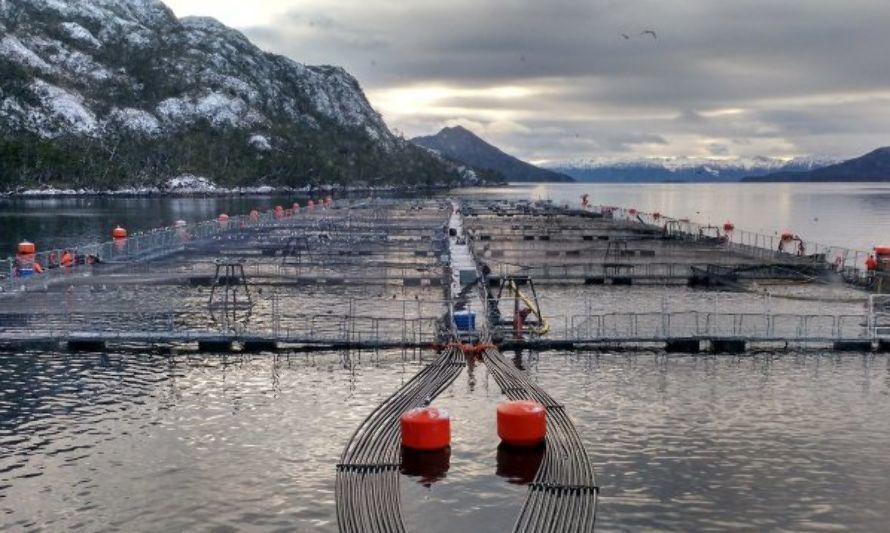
(367, 486)
(563, 495)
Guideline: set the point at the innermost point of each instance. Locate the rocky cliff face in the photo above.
(122, 90)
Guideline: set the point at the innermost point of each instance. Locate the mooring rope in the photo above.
(367, 486)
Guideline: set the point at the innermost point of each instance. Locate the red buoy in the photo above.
(119, 233)
(522, 423)
(728, 226)
(426, 428)
(27, 248)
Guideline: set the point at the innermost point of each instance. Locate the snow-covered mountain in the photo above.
(873, 166)
(683, 168)
(127, 81)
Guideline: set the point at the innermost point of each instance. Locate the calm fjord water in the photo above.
(125, 442)
(851, 215)
(147, 442)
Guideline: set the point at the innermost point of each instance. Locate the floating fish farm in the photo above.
(464, 278)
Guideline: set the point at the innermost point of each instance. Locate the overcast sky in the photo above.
(555, 80)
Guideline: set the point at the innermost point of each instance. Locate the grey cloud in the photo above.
(718, 149)
(758, 56)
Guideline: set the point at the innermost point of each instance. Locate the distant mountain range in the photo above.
(461, 145)
(683, 169)
(115, 93)
(873, 166)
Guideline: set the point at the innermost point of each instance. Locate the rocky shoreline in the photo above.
(189, 186)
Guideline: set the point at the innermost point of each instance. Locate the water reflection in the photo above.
(427, 466)
(792, 441)
(519, 465)
(852, 215)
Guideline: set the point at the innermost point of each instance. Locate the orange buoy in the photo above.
(426, 428)
(119, 233)
(522, 423)
(27, 248)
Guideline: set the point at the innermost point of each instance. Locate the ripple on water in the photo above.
(127, 441)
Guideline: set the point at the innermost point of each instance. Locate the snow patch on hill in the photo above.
(17, 52)
(66, 108)
(188, 183)
(260, 142)
(79, 33)
(135, 120)
(217, 108)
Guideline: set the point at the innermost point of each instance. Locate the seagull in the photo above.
(626, 36)
(650, 32)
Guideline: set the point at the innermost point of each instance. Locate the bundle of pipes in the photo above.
(563, 495)
(367, 488)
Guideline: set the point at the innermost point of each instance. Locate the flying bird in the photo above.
(626, 36)
(649, 32)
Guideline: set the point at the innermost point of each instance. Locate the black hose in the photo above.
(564, 493)
(367, 487)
